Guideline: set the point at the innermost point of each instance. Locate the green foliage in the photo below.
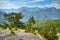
(48, 28)
(14, 19)
(20, 25)
(21, 39)
(30, 22)
(4, 25)
(12, 32)
(28, 28)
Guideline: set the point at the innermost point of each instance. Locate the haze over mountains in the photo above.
(38, 13)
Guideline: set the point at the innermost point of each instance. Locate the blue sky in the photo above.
(8, 4)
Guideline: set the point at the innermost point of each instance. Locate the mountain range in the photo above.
(38, 13)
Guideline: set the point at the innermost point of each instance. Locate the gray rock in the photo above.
(58, 34)
(18, 35)
(4, 36)
(24, 36)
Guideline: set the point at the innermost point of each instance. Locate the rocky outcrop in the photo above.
(20, 35)
(58, 34)
(5, 35)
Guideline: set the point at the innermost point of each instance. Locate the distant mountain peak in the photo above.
(38, 13)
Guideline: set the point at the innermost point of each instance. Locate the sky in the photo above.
(8, 4)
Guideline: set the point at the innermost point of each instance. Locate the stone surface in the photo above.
(5, 35)
(58, 34)
(20, 35)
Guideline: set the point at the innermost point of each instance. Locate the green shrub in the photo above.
(48, 28)
(21, 39)
(12, 32)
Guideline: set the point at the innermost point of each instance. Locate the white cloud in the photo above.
(56, 5)
(2, 0)
(33, 1)
(7, 5)
(56, 1)
(38, 0)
